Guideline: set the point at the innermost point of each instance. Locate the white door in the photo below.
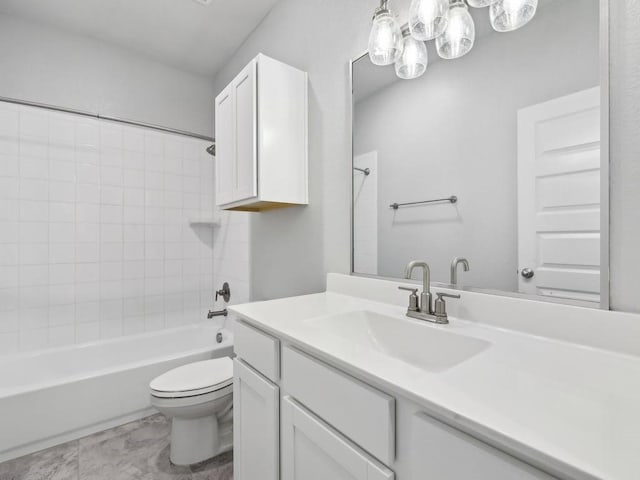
(225, 147)
(559, 197)
(313, 451)
(246, 119)
(255, 425)
(440, 452)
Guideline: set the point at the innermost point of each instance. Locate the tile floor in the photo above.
(135, 451)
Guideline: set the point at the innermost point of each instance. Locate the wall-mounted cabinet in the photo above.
(261, 138)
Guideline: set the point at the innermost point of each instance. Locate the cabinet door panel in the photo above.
(246, 134)
(444, 453)
(225, 147)
(255, 425)
(311, 450)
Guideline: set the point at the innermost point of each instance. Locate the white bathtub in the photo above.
(52, 396)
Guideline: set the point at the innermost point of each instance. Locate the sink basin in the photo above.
(423, 346)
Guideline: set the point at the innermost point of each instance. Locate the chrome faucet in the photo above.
(454, 268)
(422, 309)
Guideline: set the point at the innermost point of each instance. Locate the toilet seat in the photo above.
(194, 379)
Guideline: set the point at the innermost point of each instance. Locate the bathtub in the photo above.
(53, 396)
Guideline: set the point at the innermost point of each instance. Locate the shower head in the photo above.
(211, 150)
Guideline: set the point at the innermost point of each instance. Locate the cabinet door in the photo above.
(246, 118)
(225, 147)
(255, 425)
(444, 453)
(311, 450)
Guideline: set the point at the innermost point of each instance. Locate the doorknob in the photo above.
(527, 273)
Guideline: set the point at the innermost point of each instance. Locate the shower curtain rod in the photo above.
(106, 117)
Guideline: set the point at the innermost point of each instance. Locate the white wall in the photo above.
(321, 36)
(95, 239)
(454, 132)
(43, 64)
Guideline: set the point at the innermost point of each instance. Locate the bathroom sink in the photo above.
(423, 346)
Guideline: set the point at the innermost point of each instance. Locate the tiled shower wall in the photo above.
(95, 237)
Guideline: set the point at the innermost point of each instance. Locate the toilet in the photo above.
(198, 398)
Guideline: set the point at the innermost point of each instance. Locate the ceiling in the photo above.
(194, 35)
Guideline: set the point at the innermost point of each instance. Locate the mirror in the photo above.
(494, 158)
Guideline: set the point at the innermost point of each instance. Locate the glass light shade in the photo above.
(480, 3)
(413, 60)
(509, 15)
(457, 40)
(428, 18)
(385, 39)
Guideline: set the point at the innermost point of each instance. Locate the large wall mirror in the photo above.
(497, 159)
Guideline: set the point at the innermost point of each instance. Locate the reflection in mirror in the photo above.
(487, 166)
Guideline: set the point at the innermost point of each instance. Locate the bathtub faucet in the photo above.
(217, 313)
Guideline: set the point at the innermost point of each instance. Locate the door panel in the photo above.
(255, 425)
(444, 453)
(559, 197)
(246, 134)
(313, 451)
(225, 147)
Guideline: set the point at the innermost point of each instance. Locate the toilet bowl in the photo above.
(198, 398)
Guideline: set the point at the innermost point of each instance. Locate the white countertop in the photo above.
(572, 408)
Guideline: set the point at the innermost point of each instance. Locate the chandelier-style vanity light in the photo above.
(448, 22)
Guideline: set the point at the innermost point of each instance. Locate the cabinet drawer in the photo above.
(360, 412)
(313, 450)
(440, 451)
(258, 349)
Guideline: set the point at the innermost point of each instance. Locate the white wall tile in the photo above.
(62, 315)
(62, 253)
(33, 275)
(62, 191)
(94, 233)
(87, 332)
(33, 189)
(33, 167)
(34, 211)
(63, 171)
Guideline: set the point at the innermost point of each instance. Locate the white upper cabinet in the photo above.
(261, 138)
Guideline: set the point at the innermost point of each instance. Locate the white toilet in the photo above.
(198, 397)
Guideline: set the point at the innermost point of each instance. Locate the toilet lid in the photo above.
(195, 378)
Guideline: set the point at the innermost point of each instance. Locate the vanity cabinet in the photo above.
(323, 423)
(312, 450)
(261, 138)
(255, 425)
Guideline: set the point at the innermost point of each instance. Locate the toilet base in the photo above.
(194, 440)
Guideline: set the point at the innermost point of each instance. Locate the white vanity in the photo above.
(343, 385)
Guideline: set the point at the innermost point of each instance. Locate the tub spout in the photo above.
(217, 313)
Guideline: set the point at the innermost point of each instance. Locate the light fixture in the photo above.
(459, 36)
(385, 39)
(427, 18)
(447, 21)
(413, 61)
(480, 3)
(509, 15)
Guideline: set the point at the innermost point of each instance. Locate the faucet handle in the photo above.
(413, 298)
(409, 289)
(448, 295)
(440, 309)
